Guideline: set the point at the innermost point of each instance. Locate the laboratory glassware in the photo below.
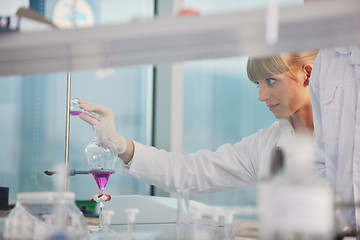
(183, 215)
(2, 227)
(298, 192)
(131, 215)
(107, 215)
(229, 226)
(101, 157)
(75, 110)
(200, 228)
(35, 217)
(215, 223)
(130, 234)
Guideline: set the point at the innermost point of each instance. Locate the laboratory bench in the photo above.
(159, 216)
(243, 229)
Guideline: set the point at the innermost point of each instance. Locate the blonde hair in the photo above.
(264, 67)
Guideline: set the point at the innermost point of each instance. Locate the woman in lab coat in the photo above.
(335, 96)
(283, 86)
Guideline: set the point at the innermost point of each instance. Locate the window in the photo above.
(220, 102)
(33, 124)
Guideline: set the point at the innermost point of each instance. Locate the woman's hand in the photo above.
(125, 147)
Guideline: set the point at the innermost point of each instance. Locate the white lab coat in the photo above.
(334, 90)
(231, 167)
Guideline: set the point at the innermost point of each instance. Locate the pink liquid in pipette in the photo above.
(101, 179)
(75, 113)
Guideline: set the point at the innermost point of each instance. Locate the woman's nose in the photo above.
(263, 93)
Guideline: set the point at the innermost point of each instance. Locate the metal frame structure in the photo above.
(168, 39)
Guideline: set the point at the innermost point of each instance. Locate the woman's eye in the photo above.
(270, 81)
(256, 84)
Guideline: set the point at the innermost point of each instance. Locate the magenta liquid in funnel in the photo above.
(101, 179)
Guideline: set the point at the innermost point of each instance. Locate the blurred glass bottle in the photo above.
(294, 203)
(34, 217)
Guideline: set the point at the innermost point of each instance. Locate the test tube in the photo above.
(215, 222)
(199, 231)
(75, 110)
(229, 226)
(107, 219)
(183, 215)
(131, 216)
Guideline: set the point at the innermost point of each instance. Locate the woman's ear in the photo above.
(307, 70)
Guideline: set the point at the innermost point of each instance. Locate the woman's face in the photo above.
(284, 94)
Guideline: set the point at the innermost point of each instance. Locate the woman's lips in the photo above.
(272, 107)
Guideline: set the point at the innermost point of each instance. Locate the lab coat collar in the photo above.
(342, 50)
(355, 60)
(355, 55)
(286, 127)
(354, 51)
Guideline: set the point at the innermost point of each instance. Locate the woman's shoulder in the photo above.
(263, 136)
(273, 132)
(274, 128)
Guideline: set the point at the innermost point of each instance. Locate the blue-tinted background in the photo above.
(220, 105)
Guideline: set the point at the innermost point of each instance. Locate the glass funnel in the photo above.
(101, 157)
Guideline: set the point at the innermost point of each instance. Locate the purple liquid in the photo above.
(75, 113)
(101, 179)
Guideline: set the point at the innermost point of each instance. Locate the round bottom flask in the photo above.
(101, 154)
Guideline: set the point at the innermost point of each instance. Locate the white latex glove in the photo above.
(107, 118)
